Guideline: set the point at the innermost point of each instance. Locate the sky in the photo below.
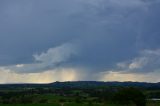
(43, 41)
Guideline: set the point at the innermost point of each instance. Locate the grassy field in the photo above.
(70, 104)
(76, 104)
(55, 100)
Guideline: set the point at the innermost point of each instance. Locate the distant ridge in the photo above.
(101, 83)
(83, 84)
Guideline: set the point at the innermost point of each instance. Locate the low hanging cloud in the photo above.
(148, 61)
(56, 55)
(144, 67)
(51, 59)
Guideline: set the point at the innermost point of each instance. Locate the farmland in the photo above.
(80, 94)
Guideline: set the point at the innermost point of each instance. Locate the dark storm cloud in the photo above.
(105, 32)
(28, 27)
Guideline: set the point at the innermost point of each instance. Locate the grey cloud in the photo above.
(104, 32)
(47, 60)
(147, 61)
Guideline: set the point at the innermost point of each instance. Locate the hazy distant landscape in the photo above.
(81, 93)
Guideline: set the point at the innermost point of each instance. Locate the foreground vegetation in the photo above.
(81, 95)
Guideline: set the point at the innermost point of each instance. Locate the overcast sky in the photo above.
(44, 41)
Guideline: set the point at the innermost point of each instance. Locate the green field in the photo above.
(75, 104)
(42, 95)
(149, 103)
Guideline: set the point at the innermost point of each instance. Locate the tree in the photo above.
(130, 95)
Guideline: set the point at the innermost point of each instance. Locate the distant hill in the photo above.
(100, 83)
(83, 84)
